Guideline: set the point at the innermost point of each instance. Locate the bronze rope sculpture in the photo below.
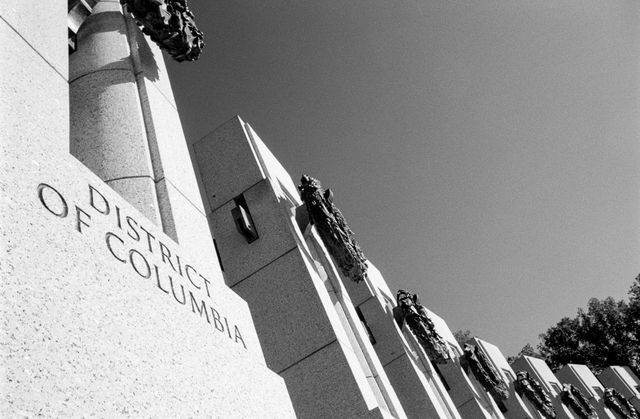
(333, 229)
(170, 24)
(484, 372)
(531, 388)
(619, 404)
(578, 402)
(411, 311)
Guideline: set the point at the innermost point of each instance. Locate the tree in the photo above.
(605, 333)
(528, 350)
(462, 336)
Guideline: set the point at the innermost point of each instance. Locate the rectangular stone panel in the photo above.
(226, 162)
(287, 311)
(43, 28)
(94, 315)
(321, 387)
(34, 99)
(239, 258)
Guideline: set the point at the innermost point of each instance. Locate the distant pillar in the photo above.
(106, 118)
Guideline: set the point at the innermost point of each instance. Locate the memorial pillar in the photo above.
(125, 127)
(107, 124)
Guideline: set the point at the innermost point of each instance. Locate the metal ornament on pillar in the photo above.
(333, 229)
(170, 24)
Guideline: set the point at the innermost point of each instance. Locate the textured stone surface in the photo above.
(413, 390)
(287, 312)
(83, 332)
(275, 238)
(44, 29)
(108, 133)
(191, 227)
(170, 154)
(149, 62)
(323, 373)
(101, 44)
(388, 341)
(34, 111)
(226, 162)
(141, 193)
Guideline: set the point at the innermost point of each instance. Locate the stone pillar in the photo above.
(107, 124)
(125, 127)
(304, 327)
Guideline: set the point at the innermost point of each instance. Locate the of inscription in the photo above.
(147, 260)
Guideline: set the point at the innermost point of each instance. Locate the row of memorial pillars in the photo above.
(112, 129)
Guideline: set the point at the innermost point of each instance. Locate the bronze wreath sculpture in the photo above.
(485, 373)
(333, 229)
(535, 393)
(170, 24)
(619, 404)
(414, 313)
(574, 398)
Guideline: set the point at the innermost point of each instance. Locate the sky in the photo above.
(486, 154)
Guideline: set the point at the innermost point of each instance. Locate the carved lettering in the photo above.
(188, 268)
(202, 309)
(155, 267)
(239, 336)
(173, 291)
(105, 204)
(107, 238)
(165, 252)
(62, 212)
(149, 237)
(131, 222)
(216, 319)
(79, 221)
(206, 284)
(147, 273)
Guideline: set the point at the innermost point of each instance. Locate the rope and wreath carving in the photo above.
(531, 388)
(485, 372)
(414, 313)
(619, 404)
(333, 229)
(574, 398)
(170, 24)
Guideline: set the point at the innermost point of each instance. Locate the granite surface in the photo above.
(93, 317)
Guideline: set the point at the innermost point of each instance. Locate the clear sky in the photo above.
(485, 153)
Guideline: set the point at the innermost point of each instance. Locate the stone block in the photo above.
(327, 373)
(227, 162)
(413, 390)
(382, 325)
(93, 315)
(287, 312)
(102, 42)
(34, 110)
(141, 193)
(169, 150)
(149, 61)
(239, 258)
(190, 227)
(43, 28)
(107, 129)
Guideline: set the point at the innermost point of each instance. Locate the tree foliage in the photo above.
(462, 336)
(606, 332)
